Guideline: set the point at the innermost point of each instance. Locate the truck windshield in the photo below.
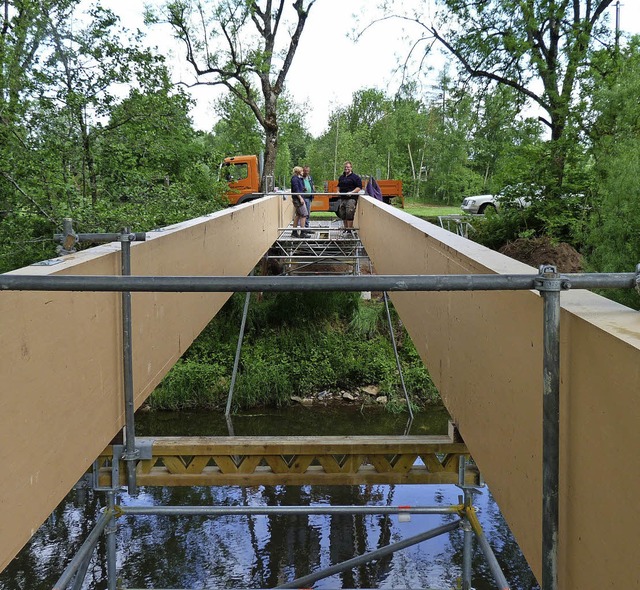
(234, 172)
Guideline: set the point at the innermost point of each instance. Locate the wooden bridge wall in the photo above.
(61, 353)
(484, 352)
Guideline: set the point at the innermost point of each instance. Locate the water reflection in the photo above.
(264, 551)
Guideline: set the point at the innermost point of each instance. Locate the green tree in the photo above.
(236, 131)
(81, 74)
(505, 147)
(235, 43)
(151, 147)
(614, 241)
(537, 47)
(71, 146)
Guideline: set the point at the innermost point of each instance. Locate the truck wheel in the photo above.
(247, 198)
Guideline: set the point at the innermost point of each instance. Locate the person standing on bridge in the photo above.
(297, 190)
(349, 184)
(308, 191)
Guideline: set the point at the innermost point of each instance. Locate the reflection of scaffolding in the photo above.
(326, 249)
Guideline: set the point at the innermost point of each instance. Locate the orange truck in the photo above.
(242, 174)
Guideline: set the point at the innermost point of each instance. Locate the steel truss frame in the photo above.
(328, 250)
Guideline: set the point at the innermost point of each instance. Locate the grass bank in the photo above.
(296, 345)
(422, 210)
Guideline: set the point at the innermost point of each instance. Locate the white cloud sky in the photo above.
(328, 67)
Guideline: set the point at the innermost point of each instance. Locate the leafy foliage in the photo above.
(614, 239)
(295, 344)
(73, 146)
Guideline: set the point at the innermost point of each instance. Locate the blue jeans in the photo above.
(307, 202)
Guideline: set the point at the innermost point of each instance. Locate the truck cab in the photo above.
(242, 174)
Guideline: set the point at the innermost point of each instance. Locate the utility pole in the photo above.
(335, 151)
(617, 26)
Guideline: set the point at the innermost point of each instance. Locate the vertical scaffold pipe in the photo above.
(550, 287)
(131, 454)
(467, 553)
(110, 531)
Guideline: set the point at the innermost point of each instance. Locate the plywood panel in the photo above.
(61, 361)
(484, 352)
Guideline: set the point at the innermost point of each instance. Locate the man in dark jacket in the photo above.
(349, 184)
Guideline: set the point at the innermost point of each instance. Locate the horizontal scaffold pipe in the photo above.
(223, 284)
(285, 510)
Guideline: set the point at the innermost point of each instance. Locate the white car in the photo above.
(479, 204)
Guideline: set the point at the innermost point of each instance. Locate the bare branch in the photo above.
(29, 198)
(478, 73)
(293, 45)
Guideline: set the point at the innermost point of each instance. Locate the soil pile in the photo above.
(537, 251)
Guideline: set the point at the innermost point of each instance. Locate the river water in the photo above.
(264, 551)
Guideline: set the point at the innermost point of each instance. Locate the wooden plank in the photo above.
(50, 432)
(174, 464)
(404, 463)
(249, 464)
(315, 475)
(187, 457)
(197, 464)
(164, 479)
(432, 463)
(298, 445)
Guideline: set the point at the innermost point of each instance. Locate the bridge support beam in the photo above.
(484, 352)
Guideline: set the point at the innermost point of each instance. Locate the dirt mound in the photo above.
(537, 251)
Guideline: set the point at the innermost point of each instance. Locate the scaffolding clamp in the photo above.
(68, 239)
(550, 280)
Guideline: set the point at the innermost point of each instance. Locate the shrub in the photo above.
(294, 355)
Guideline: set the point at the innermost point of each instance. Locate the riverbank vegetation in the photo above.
(298, 345)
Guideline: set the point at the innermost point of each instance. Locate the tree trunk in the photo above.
(271, 138)
(558, 151)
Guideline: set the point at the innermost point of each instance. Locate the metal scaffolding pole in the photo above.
(306, 581)
(131, 454)
(285, 510)
(550, 288)
(110, 531)
(236, 362)
(494, 566)
(85, 551)
(467, 554)
(225, 284)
